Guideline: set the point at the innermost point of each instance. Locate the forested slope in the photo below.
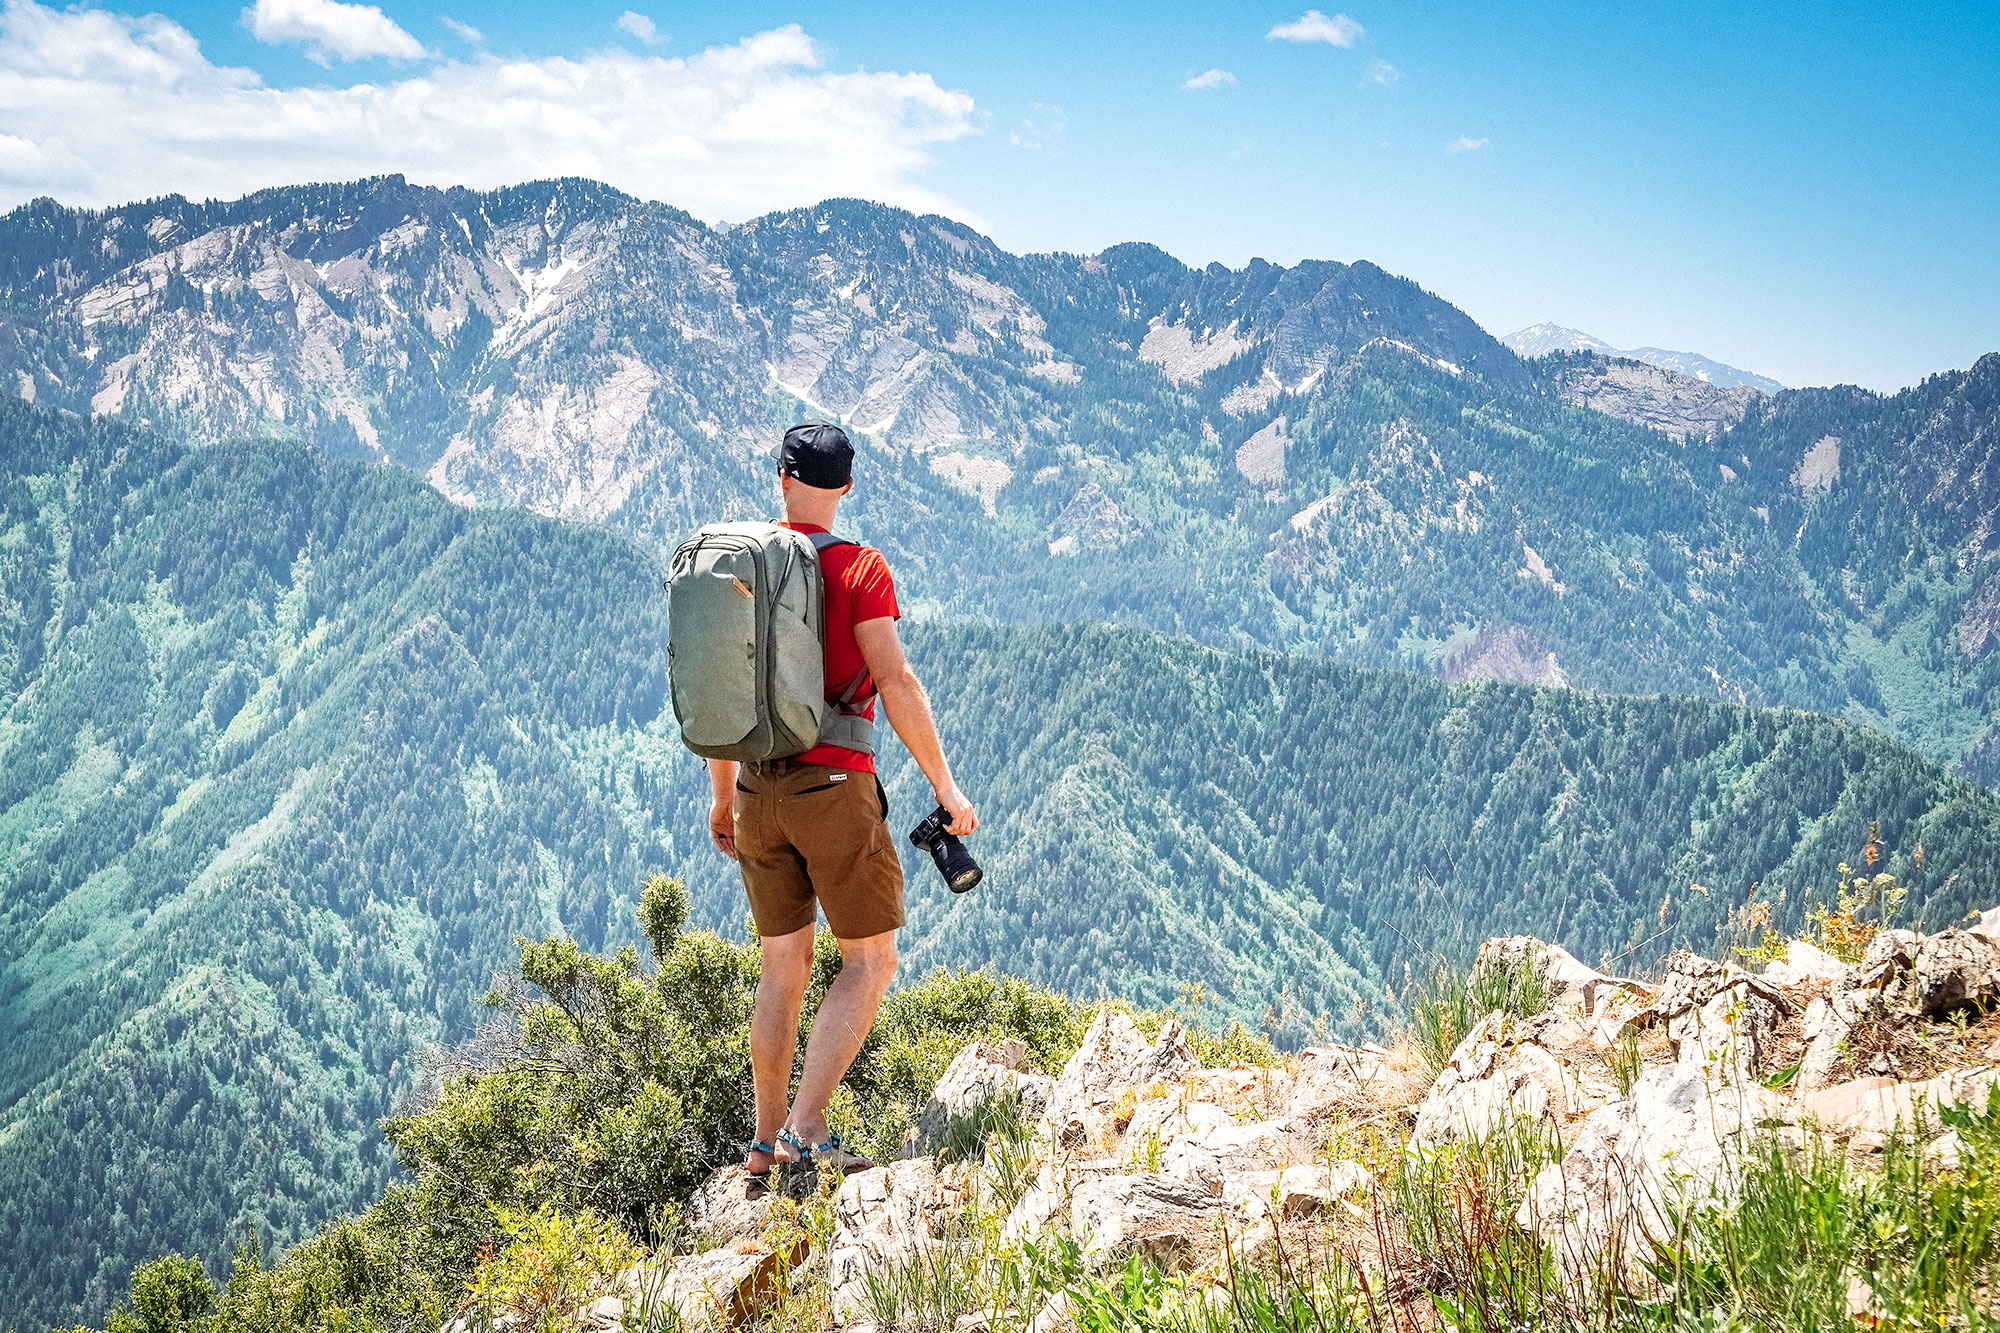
(1298, 835)
(292, 749)
(280, 779)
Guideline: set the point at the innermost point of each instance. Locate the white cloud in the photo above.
(465, 31)
(1382, 72)
(1042, 126)
(1462, 144)
(330, 30)
(1313, 26)
(638, 25)
(101, 108)
(1212, 78)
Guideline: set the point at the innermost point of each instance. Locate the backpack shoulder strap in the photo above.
(822, 540)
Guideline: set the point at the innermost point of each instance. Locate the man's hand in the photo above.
(964, 819)
(722, 827)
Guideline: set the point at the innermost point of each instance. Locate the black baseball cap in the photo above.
(818, 454)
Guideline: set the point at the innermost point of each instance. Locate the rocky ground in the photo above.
(1645, 1096)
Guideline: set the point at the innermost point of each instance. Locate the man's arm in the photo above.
(722, 815)
(909, 711)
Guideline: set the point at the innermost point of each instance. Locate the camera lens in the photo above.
(960, 871)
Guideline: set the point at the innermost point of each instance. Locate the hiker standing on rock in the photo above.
(809, 825)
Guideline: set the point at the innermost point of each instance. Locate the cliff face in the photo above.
(568, 348)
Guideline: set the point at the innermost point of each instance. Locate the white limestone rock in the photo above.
(1497, 1075)
(1676, 1143)
(982, 1072)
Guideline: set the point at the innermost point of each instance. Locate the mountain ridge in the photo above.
(1541, 339)
(1318, 458)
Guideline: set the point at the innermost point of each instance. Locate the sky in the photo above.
(1807, 191)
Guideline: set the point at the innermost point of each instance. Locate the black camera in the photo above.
(960, 871)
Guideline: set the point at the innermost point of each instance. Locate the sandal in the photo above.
(828, 1156)
(758, 1145)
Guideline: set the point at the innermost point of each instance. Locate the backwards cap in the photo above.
(818, 454)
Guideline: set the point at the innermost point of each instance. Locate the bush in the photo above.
(167, 1294)
(552, 1268)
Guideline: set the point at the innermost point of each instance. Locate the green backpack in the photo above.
(746, 654)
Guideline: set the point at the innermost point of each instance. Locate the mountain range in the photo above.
(1322, 458)
(1541, 339)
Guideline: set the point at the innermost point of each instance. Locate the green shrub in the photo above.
(168, 1295)
(553, 1266)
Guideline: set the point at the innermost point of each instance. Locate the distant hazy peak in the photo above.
(1542, 339)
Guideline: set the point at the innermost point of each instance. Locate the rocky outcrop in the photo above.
(983, 1072)
(1646, 1098)
(1678, 406)
(1676, 1142)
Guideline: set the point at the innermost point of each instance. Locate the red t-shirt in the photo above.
(858, 588)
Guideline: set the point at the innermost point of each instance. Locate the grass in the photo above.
(1452, 1000)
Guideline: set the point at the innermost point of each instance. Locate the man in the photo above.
(812, 831)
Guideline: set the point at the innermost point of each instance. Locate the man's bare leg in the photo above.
(774, 1031)
(867, 966)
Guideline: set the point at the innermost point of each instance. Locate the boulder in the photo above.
(1953, 969)
(1889, 955)
(882, 1218)
(729, 1206)
(982, 1072)
(1803, 964)
(1208, 1158)
(1987, 927)
(732, 1285)
(1497, 1075)
(1676, 1143)
(1164, 1218)
(1719, 1013)
(1295, 1191)
(1114, 1059)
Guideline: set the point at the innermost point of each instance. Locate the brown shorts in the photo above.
(806, 832)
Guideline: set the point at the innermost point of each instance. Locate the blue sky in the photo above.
(1811, 192)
